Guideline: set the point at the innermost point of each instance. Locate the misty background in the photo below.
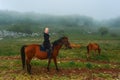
(98, 9)
(93, 17)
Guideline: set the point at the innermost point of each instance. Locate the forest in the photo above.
(31, 22)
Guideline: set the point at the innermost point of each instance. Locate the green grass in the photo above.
(110, 48)
(66, 59)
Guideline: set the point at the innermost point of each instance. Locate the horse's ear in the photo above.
(64, 35)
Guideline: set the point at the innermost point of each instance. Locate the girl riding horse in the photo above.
(33, 50)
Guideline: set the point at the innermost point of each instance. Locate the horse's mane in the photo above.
(57, 41)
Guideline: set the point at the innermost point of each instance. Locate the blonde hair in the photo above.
(46, 30)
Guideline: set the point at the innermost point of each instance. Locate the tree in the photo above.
(103, 31)
(24, 28)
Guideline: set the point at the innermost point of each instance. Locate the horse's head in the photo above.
(66, 42)
(62, 41)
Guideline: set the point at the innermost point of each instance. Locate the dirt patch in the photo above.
(74, 71)
(93, 61)
(9, 57)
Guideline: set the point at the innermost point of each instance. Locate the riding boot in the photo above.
(49, 53)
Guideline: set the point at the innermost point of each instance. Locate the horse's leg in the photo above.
(49, 61)
(55, 62)
(28, 66)
(95, 52)
(88, 51)
(99, 51)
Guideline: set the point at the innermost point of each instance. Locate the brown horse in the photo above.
(93, 46)
(73, 45)
(33, 50)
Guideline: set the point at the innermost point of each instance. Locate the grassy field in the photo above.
(72, 62)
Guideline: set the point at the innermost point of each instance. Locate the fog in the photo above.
(97, 9)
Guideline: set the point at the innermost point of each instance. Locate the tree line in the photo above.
(30, 22)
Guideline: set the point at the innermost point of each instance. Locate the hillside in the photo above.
(30, 22)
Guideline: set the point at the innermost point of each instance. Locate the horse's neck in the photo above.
(57, 48)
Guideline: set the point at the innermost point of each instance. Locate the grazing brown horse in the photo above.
(33, 50)
(93, 46)
(73, 45)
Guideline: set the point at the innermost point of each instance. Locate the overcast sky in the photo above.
(98, 9)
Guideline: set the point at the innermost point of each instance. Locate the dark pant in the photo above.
(49, 52)
(48, 48)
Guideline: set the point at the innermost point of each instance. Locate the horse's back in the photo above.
(34, 50)
(31, 49)
(93, 45)
(33, 45)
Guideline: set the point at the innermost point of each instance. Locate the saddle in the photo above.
(42, 48)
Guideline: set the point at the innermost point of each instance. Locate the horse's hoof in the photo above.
(29, 73)
(57, 70)
(48, 69)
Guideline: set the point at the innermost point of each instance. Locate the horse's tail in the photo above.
(23, 56)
